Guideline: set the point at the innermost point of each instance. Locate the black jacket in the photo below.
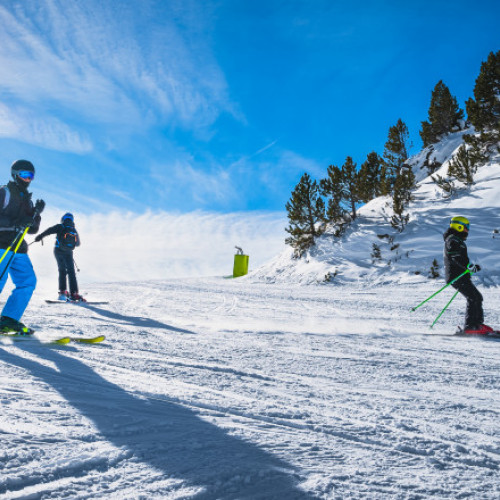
(456, 259)
(60, 230)
(16, 208)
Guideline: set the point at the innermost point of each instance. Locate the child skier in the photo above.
(456, 261)
(18, 215)
(67, 239)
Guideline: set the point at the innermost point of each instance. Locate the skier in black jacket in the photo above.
(67, 239)
(17, 212)
(456, 261)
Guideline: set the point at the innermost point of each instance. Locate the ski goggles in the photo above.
(26, 174)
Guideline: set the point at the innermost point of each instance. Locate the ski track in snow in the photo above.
(227, 389)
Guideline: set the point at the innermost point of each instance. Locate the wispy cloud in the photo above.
(19, 123)
(111, 63)
(210, 182)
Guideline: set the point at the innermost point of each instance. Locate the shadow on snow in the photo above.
(167, 436)
(137, 321)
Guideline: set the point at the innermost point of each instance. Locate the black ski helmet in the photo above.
(67, 215)
(19, 166)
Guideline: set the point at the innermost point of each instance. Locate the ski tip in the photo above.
(93, 340)
(64, 340)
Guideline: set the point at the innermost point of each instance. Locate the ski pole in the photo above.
(20, 232)
(76, 265)
(445, 286)
(445, 307)
(13, 252)
(23, 234)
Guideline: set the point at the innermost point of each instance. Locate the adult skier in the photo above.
(18, 215)
(456, 261)
(67, 239)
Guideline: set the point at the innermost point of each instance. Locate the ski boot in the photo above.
(76, 297)
(478, 330)
(11, 325)
(63, 296)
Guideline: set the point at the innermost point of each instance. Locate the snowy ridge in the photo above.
(407, 257)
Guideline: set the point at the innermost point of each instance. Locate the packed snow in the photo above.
(230, 389)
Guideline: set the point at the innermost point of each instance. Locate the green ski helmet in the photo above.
(460, 224)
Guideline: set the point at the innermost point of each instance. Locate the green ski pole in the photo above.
(439, 291)
(445, 307)
(13, 252)
(14, 241)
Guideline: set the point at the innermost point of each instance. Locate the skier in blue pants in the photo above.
(17, 212)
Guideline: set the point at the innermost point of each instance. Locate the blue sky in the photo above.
(220, 106)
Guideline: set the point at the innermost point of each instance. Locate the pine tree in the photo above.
(463, 166)
(369, 183)
(331, 188)
(402, 195)
(306, 214)
(484, 110)
(350, 179)
(396, 151)
(444, 115)
(434, 270)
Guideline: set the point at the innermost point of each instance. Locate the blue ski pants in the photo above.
(23, 276)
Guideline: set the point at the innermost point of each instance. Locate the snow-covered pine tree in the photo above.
(306, 214)
(444, 115)
(396, 151)
(369, 181)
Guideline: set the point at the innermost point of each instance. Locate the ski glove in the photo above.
(26, 220)
(474, 268)
(38, 238)
(39, 206)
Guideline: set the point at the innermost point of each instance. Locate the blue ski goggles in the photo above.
(26, 175)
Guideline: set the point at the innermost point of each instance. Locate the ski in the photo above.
(88, 340)
(491, 335)
(31, 337)
(60, 341)
(79, 303)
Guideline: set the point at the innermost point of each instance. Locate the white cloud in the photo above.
(118, 247)
(18, 123)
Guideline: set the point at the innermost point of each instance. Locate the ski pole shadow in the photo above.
(167, 436)
(137, 321)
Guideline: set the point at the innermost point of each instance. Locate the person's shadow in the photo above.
(138, 321)
(167, 436)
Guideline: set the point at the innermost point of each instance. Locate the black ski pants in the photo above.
(66, 266)
(474, 313)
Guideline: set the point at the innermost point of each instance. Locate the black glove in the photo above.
(474, 268)
(38, 238)
(39, 206)
(25, 220)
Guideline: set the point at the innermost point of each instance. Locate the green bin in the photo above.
(240, 265)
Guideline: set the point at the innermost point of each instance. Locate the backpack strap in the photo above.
(6, 200)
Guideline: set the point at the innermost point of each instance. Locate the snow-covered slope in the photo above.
(407, 256)
(225, 389)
